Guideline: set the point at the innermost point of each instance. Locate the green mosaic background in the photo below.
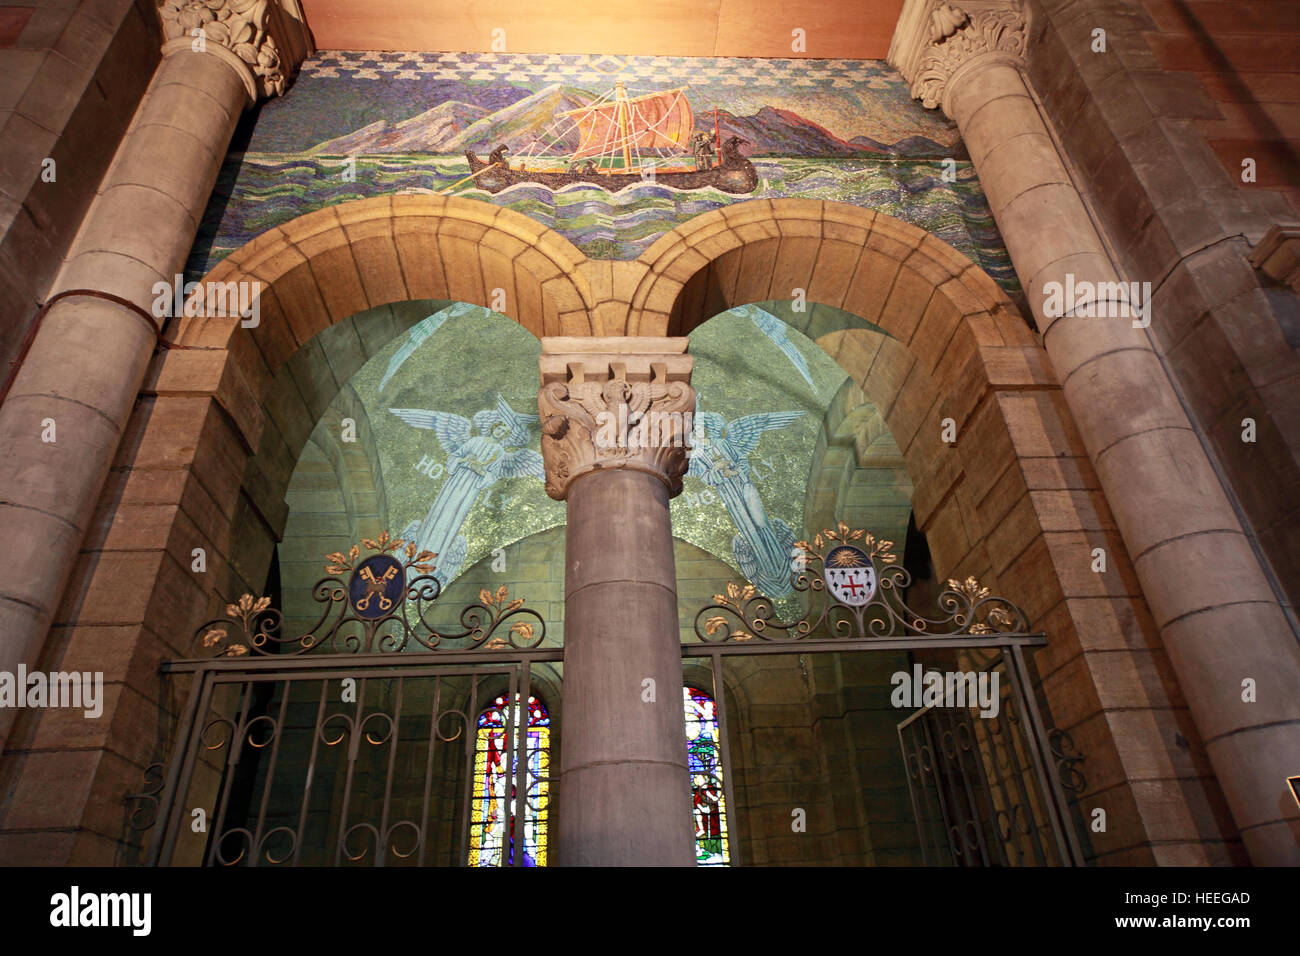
(462, 366)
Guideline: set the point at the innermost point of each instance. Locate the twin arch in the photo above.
(956, 347)
(208, 452)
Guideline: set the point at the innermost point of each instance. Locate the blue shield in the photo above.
(377, 586)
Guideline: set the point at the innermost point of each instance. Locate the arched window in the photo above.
(704, 759)
(495, 821)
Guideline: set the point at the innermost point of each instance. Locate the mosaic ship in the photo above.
(624, 141)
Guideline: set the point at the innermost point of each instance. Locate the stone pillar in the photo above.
(80, 379)
(624, 793)
(1218, 617)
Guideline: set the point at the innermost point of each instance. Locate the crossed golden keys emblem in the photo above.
(375, 588)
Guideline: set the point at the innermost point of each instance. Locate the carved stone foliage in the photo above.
(238, 25)
(592, 425)
(956, 38)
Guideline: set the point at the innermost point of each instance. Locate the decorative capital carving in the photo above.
(935, 40)
(242, 32)
(615, 403)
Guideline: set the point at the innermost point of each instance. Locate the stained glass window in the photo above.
(497, 822)
(704, 758)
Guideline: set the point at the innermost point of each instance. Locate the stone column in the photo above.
(624, 792)
(1218, 617)
(61, 423)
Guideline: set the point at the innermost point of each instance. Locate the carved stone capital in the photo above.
(616, 402)
(262, 40)
(935, 41)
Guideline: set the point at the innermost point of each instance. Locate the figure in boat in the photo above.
(623, 141)
(703, 146)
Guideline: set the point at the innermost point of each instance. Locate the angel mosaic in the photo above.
(480, 452)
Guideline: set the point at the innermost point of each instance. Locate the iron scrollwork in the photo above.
(145, 812)
(381, 606)
(1072, 778)
(965, 607)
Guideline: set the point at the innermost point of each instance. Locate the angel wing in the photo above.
(452, 430)
(740, 437)
(776, 331)
(519, 423)
(414, 338)
(709, 425)
(524, 462)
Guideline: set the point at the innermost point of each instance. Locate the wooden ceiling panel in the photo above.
(837, 29)
(833, 29)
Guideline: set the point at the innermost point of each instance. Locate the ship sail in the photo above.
(656, 121)
(627, 137)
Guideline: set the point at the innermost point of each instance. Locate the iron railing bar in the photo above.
(311, 772)
(520, 796)
(334, 673)
(906, 725)
(1019, 771)
(428, 771)
(986, 791)
(1057, 805)
(939, 784)
(703, 649)
(381, 842)
(471, 745)
(997, 786)
(507, 749)
(211, 673)
(1036, 798)
(354, 747)
(228, 777)
(353, 662)
(931, 794)
(949, 715)
(174, 769)
(948, 642)
(256, 841)
(719, 700)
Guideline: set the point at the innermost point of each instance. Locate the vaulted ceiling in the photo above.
(832, 29)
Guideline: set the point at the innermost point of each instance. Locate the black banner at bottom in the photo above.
(123, 907)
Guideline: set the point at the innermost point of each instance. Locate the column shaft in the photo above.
(1218, 617)
(89, 357)
(624, 794)
(624, 789)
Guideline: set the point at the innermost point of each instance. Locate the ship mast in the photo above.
(620, 95)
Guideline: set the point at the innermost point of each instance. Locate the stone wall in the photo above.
(1157, 128)
(71, 76)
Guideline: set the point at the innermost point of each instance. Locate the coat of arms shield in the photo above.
(377, 586)
(849, 575)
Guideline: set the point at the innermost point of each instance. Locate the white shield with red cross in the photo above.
(848, 573)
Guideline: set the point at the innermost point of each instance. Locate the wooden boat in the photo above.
(623, 142)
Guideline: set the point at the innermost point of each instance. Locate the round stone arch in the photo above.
(956, 351)
(208, 451)
(1013, 501)
(332, 287)
(326, 265)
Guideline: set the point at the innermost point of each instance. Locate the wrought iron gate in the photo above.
(357, 742)
(988, 792)
(984, 792)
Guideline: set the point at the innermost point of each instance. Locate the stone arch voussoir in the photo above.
(322, 267)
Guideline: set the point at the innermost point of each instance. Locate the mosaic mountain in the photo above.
(455, 125)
